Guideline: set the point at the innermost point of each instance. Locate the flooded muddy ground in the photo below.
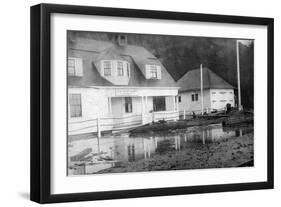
(227, 153)
(211, 146)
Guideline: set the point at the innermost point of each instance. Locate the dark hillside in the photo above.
(180, 54)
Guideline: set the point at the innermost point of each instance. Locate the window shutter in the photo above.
(147, 72)
(102, 67)
(159, 75)
(78, 67)
(128, 69)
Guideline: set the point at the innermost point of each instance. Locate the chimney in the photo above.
(121, 39)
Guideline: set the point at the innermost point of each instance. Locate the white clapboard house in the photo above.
(113, 85)
(217, 93)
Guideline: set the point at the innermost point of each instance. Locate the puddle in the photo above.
(90, 155)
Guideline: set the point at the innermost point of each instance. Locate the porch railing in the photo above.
(165, 115)
(119, 123)
(104, 124)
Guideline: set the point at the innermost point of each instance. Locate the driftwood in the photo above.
(173, 125)
(81, 155)
(199, 121)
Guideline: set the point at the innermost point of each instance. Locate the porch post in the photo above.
(99, 132)
(174, 102)
(109, 105)
(178, 103)
(142, 110)
(175, 105)
(145, 104)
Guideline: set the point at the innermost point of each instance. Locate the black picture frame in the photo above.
(41, 98)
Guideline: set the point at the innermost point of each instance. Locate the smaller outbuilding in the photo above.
(217, 93)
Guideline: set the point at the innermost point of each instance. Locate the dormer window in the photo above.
(75, 66)
(119, 68)
(153, 72)
(107, 66)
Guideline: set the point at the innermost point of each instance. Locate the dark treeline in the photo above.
(180, 54)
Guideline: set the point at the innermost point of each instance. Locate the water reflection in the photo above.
(92, 155)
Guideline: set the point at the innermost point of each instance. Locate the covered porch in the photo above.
(106, 109)
(131, 111)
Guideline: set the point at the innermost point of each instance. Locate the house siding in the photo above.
(108, 105)
(221, 97)
(170, 103)
(213, 99)
(93, 105)
(194, 106)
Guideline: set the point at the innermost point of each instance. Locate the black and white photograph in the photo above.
(140, 103)
(133, 103)
(150, 102)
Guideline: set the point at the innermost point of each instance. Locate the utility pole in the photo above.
(238, 76)
(202, 97)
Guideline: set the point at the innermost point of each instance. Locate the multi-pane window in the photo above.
(128, 105)
(75, 105)
(107, 68)
(194, 97)
(179, 99)
(120, 69)
(75, 66)
(153, 71)
(71, 67)
(116, 68)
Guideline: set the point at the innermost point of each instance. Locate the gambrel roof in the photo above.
(92, 51)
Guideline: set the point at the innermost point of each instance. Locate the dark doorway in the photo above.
(159, 103)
